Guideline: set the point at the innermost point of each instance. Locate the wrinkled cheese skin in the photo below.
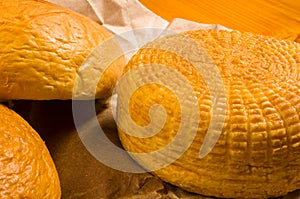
(42, 47)
(258, 152)
(26, 167)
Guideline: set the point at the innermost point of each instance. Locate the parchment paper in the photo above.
(81, 175)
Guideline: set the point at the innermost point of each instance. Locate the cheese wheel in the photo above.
(26, 167)
(42, 47)
(257, 153)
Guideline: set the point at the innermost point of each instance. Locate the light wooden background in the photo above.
(280, 18)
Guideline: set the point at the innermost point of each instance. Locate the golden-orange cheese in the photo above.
(26, 167)
(258, 152)
(42, 47)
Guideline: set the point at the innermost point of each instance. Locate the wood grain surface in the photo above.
(280, 18)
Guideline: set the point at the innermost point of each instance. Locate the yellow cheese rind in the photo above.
(258, 152)
(26, 167)
(42, 47)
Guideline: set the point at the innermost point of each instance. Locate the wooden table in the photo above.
(280, 18)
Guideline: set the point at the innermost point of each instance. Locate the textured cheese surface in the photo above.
(258, 152)
(42, 48)
(26, 167)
